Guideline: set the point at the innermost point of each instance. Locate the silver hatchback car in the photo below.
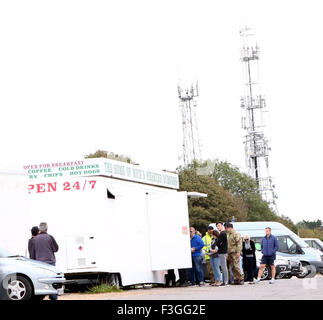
(25, 279)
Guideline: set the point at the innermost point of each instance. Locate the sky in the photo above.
(77, 76)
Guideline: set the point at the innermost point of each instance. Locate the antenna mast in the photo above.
(187, 103)
(254, 107)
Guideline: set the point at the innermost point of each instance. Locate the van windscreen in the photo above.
(299, 241)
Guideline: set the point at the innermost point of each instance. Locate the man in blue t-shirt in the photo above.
(196, 246)
(269, 246)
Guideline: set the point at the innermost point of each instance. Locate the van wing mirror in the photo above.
(298, 249)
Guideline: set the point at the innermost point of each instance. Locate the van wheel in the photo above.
(305, 270)
(16, 288)
(266, 275)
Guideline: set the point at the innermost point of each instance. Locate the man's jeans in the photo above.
(197, 269)
(52, 296)
(224, 268)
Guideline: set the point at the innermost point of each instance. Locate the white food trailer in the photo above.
(111, 218)
(14, 213)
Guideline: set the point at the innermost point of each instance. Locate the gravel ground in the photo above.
(284, 289)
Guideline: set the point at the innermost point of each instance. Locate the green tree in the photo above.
(242, 189)
(109, 155)
(220, 204)
(309, 224)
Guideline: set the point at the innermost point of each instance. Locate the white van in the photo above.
(314, 243)
(290, 245)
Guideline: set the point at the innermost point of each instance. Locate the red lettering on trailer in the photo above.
(40, 187)
(92, 183)
(30, 187)
(64, 186)
(52, 186)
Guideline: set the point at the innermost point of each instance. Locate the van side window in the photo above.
(316, 246)
(257, 241)
(286, 244)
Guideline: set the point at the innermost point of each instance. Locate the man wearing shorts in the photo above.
(269, 246)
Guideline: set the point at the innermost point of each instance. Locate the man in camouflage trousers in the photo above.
(234, 250)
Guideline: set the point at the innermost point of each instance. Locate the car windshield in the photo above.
(299, 241)
(4, 253)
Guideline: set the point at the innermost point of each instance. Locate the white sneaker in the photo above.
(271, 281)
(256, 281)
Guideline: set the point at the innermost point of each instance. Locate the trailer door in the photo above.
(168, 225)
(80, 252)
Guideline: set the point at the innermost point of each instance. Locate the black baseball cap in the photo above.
(210, 228)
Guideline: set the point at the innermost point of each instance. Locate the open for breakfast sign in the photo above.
(102, 167)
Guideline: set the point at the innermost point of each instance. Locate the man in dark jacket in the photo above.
(43, 248)
(248, 258)
(223, 253)
(34, 233)
(269, 247)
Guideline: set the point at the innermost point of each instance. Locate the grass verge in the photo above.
(103, 288)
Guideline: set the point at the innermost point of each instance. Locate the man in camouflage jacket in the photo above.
(234, 250)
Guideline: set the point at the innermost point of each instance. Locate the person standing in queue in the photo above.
(222, 244)
(248, 258)
(196, 246)
(44, 247)
(207, 239)
(234, 251)
(215, 259)
(34, 233)
(269, 247)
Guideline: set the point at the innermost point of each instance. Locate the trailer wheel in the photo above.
(113, 279)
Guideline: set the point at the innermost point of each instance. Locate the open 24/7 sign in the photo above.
(103, 167)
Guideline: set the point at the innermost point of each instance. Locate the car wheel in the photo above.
(17, 288)
(305, 270)
(266, 275)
